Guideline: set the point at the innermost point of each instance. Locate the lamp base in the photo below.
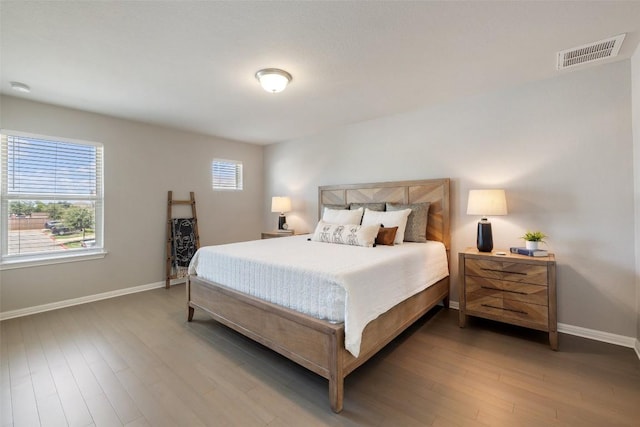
(485, 237)
(281, 221)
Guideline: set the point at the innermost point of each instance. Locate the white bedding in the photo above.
(327, 281)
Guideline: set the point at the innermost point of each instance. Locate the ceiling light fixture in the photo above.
(20, 87)
(273, 80)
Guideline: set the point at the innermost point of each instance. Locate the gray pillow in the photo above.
(337, 207)
(379, 207)
(416, 230)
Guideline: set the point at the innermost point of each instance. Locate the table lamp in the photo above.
(486, 203)
(281, 205)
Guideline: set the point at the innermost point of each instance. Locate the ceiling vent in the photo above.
(585, 54)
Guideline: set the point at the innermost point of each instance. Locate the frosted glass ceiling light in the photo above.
(273, 80)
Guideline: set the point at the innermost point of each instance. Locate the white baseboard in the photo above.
(591, 334)
(83, 300)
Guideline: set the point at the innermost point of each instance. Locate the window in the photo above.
(51, 198)
(226, 174)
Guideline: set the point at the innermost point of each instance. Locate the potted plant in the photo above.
(533, 238)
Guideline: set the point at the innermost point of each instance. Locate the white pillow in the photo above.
(342, 216)
(388, 219)
(346, 234)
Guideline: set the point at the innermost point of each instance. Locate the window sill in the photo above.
(36, 261)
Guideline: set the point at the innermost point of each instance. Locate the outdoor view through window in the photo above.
(51, 196)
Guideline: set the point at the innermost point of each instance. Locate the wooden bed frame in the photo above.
(316, 344)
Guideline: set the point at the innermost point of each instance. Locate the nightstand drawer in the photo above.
(505, 270)
(478, 287)
(531, 315)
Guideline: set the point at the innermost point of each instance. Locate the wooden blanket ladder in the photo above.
(175, 241)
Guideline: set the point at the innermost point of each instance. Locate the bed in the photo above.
(319, 345)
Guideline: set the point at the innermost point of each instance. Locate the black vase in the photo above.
(485, 237)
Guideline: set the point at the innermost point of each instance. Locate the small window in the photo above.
(51, 196)
(226, 174)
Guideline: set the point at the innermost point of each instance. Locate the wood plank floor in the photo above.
(135, 361)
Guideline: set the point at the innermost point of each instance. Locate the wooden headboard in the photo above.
(434, 191)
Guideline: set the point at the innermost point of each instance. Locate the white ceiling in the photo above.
(191, 65)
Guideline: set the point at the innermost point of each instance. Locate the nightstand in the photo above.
(515, 289)
(277, 233)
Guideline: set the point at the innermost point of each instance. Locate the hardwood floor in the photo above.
(135, 361)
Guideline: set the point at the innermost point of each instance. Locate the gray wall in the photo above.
(635, 83)
(142, 162)
(562, 148)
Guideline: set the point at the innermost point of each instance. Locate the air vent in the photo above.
(591, 52)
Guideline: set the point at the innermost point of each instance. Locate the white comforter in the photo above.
(327, 281)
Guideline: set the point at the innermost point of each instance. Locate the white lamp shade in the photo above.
(273, 80)
(487, 203)
(280, 204)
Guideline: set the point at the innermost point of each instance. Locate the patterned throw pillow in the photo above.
(416, 230)
(346, 234)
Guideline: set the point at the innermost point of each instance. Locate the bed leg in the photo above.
(336, 394)
(336, 375)
(190, 314)
(445, 302)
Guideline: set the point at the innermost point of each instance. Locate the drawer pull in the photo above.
(503, 290)
(504, 271)
(505, 309)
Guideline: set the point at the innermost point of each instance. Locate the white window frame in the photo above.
(50, 257)
(238, 181)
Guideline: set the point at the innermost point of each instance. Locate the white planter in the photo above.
(531, 245)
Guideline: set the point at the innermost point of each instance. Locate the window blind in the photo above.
(51, 195)
(42, 167)
(226, 174)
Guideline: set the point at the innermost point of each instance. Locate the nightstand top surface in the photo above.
(509, 256)
(278, 233)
